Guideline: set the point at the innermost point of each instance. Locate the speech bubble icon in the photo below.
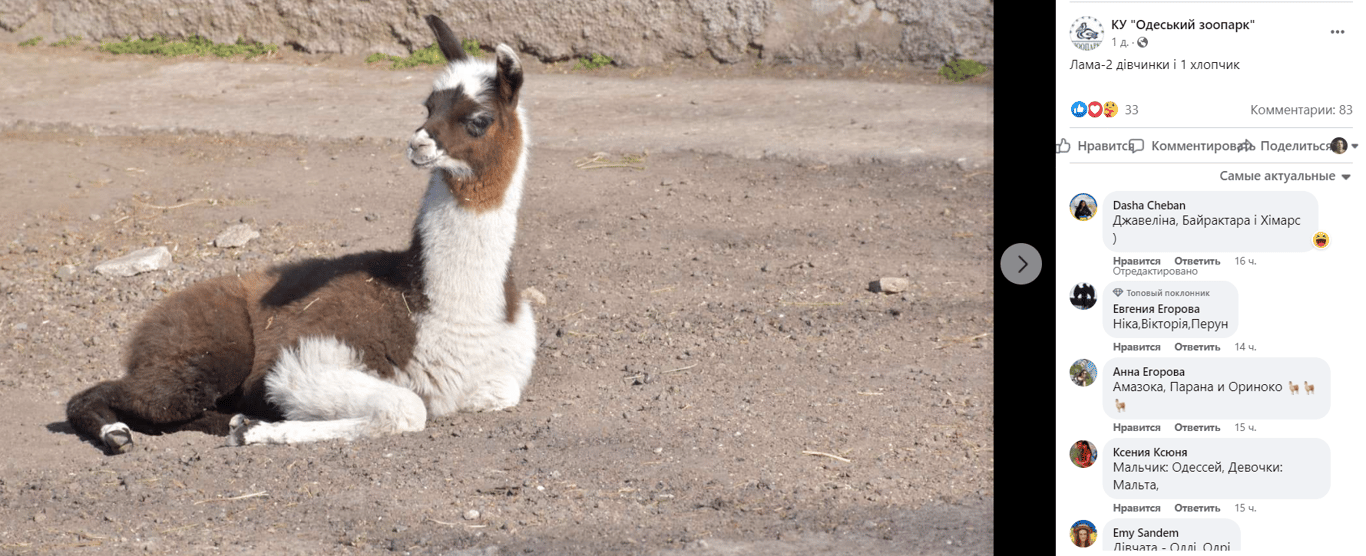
(1135, 145)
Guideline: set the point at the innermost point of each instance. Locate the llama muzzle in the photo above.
(422, 150)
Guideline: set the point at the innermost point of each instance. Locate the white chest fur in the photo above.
(467, 356)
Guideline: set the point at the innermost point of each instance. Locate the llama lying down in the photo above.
(366, 344)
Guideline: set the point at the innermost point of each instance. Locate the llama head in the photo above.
(473, 133)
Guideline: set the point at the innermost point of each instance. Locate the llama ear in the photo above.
(509, 75)
(450, 46)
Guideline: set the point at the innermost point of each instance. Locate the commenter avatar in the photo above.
(1083, 454)
(1082, 372)
(1083, 207)
(1083, 533)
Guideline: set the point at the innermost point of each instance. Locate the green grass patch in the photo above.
(73, 39)
(426, 56)
(595, 62)
(196, 45)
(32, 41)
(471, 47)
(959, 70)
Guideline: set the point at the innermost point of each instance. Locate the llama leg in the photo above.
(325, 393)
(91, 414)
(154, 398)
(506, 368)
(212, 422)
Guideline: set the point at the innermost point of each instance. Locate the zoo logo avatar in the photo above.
(1086, 33)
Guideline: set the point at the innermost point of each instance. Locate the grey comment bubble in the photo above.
(1215, 468)
(1215, 388)
(1170, 309)
(1209, 221)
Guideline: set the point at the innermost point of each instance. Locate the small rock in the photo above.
(472, 515)
(491, 550)
(890, 285)
(137, 262)
(94, 217)
(371, 217)
(534, 295)
(21, 326)
(236, 235)
(66, 272)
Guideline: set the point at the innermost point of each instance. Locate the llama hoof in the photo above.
(117, 437)
(237, 429)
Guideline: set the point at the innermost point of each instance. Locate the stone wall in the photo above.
(632, 33)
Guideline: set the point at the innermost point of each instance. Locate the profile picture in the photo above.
(1083, 296)
(1339, 145)
(1082, 372)
(1083, 207)
(1083, 454)
(1083, 533)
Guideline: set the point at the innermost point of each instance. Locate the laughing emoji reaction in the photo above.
(1320, 240)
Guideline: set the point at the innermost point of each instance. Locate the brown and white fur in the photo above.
(1119, 406)
(365, 344)
(1294, 388)
(1308, 388)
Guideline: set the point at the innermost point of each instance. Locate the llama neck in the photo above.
(466, 253)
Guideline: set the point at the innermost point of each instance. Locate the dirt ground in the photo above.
(714, 375)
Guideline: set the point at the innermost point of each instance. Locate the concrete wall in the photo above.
(637, 32)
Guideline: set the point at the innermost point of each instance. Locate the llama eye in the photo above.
(477, 126)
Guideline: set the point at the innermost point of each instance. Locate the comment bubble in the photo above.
(1209, 221)
(1170, 309)
(1172, 534)
(1215, 468)
(1216, 388)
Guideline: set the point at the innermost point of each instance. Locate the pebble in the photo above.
(236, 235)
(137, 262)
(892, 285)
(472, 515)
(534, 295)
(66, 272)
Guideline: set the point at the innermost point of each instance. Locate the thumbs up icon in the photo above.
(1063, 147)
